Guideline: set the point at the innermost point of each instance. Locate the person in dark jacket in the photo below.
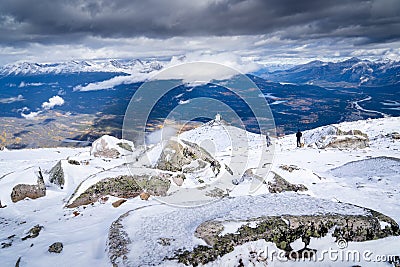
(298, 136)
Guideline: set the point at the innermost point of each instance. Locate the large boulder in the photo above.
(22, 191)
(332, 137)
(110, 147)
(186, 157)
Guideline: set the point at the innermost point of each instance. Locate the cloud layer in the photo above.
(53, 21)
(94, 28)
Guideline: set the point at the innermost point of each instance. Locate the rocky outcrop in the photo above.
(124, 186)
(283, 230)
(110, 147)
(186, 157)
(279, 185)
(56, 175)
(22, 191)
(333, 137)
(56, 247)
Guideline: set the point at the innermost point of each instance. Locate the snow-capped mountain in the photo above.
(351, 72)
(112, 65)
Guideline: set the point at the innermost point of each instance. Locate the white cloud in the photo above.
(111, 83)
(23, 84)
(32, 115)
(9, 100)
(53, 101)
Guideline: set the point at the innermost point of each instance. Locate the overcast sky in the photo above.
(261, 30)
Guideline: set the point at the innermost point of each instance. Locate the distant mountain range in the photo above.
(353, 72)
(117, 66)
(348, 73)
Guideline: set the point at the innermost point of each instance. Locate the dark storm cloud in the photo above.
(54, 21)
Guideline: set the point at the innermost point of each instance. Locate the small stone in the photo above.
(144, 196)
(56, 247)
(33, 232)
(118, 203)
(73, 162)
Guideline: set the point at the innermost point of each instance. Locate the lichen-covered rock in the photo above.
(209, 231)
(56, 175)
(22, 191)
(123, 186)
(283, 230)
(56, 247)
(110, 147)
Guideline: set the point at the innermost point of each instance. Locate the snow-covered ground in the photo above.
(366, 177)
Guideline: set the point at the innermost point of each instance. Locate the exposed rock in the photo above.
(279, 185)
(348, 141)
(283, 230)
(228, 169)
(179, 179)
(110, 147)
(209, 231)
(118, 241)
(18, 261)
(165, 241)
(333, 137)
(21, 191)
(74, 162)
(216, 193)
(33, 232)
(185, 157)
(144, 196)
(395, 136)
(247, 175)
(56, 247)
(126, 146)
(56, 175)
(289, 168)
(123, 186)
(118, 203)
(172, 157)
(2, 206)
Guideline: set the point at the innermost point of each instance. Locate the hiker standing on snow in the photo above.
(268, 140)
(298, 136)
